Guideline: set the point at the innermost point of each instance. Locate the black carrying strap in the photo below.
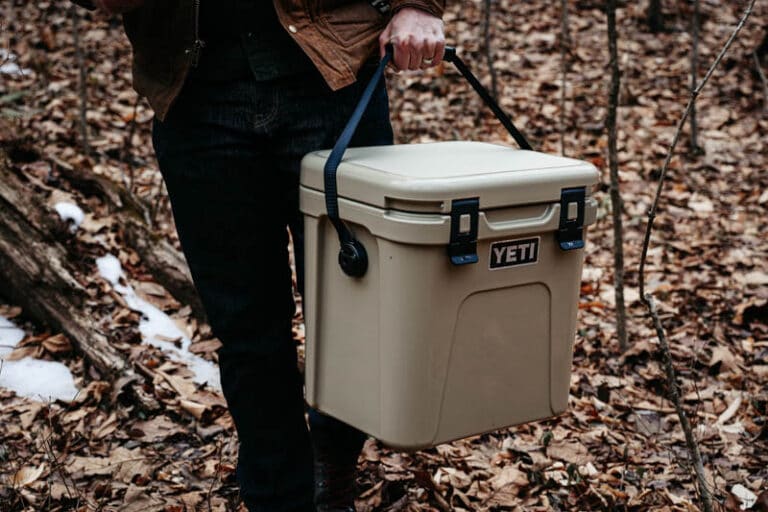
(451, 56)
(352, 257)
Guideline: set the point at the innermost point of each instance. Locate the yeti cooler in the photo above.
(442, 283)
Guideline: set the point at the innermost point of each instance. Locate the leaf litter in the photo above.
(163, 442)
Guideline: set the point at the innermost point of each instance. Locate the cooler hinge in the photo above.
(463, 246)
(570, 234)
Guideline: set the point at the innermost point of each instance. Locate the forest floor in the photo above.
(619, 447)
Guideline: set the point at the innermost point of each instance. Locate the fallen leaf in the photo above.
(157, 429)
(701, 204)
(723, 355)
(57, 344)
(569, 451)
(27, 475)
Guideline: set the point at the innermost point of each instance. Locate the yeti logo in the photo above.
(512, 253)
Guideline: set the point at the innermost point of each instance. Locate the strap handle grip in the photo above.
(353, 257)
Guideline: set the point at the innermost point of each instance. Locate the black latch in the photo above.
(463, 246)
(570, 234)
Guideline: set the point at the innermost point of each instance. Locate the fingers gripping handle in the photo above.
(353, 258)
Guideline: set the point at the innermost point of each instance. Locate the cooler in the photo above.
(463, 316)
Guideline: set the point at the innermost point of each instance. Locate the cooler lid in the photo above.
(427, 177)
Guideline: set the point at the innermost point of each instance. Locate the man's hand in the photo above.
(417, 38)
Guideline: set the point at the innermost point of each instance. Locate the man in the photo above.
(242, 89)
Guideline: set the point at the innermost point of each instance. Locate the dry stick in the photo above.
(157, 203)
(674, 390)
(488, 52)
(761, 74)
(617, 204)
(82, 77)
(215, 477)
(695, 149)
(128, 146)
(565, 43)
(56, 464)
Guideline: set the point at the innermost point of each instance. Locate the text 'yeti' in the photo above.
(510, 253)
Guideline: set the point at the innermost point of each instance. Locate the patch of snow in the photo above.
(157, 328)
(10, 335)
(29, 377)
(70, 212)
(736, 428)
(110, 269)
(8, 64)
(746, 497)
(38, 379)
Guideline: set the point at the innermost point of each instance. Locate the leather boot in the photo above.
(335, 487)
(336, 448)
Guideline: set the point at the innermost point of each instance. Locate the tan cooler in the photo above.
(420, 351)
(463, 319)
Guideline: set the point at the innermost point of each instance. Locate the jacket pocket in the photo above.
(351, 23)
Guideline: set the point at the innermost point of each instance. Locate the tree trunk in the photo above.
(695, 149)
(613, 160)
(655, 16)
(565, 44)
(489, 50)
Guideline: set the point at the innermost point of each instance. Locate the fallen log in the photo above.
(37, 273)
(51, 273)
(166, 263)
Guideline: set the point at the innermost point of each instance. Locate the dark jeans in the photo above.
(230, 153)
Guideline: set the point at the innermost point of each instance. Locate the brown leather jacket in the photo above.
(338, 35)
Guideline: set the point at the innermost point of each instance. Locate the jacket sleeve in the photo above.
(434, 7)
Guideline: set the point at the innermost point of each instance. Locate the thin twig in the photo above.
(617, 205)
(761, 74)
(489, 51)
(128, 146)
(565, 43)
(56, 465)
(674, 396)
(215, 478)
(695, 149)
(674, 391)
(676, 139)
(82, 80)
(157, 202)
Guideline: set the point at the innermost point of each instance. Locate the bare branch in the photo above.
(674, 396)
(488, 50)
(128, 146)
(676, 139)
(83, 123)
(674, 391)
(763, 80)
(613, 162)
(565, 43)
(695, 149)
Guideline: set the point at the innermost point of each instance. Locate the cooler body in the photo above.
(422, 350)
